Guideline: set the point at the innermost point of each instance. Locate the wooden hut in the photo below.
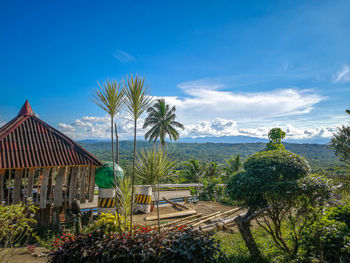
(40, 162)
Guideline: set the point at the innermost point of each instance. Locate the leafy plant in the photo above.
(340, 143)
(151, 167)
(326, 240)
(145, 245)
(137, 100)
(16, 223)
(110, 98)
(108, 223)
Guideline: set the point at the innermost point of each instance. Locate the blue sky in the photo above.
(230, 67)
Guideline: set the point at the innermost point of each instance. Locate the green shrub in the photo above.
(340, 213)
(326, 240)
(16, 223)
(145, 245)
(107, 223)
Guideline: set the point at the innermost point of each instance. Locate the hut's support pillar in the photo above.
(16, 195)
(57, 200)
(30, 184)
(45, 209)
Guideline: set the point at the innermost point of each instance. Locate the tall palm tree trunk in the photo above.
(117, 144)
(115, 176)
(133, 176)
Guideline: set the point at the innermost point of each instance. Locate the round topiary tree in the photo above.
(268, 185)
(276, 187)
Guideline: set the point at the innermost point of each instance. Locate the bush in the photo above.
(16, 224)
(340, 213)
(146, 245)
(107, 223)
(326, 240)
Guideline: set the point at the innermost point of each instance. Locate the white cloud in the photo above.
(343, 75)
(205, 102)
(123, 56)
(100, 127)
(222, 127)
(208, 110)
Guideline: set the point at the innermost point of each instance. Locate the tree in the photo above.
(193, 171)
(347, 111)
(152, 166)
(212, 170)
(161, 119)
(275, 139)
(276, 186)
(341, 143)
(137, 100)
(233, 164)
(109, 97)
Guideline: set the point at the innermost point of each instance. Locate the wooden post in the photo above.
(57, 199)
(2, 175)
(92, 184)
(83, 185)
(72, 184)
(43, 188)
(16, 195)
(30, 183)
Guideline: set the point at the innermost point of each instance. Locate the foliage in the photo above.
(193, 171)
(326, 240)
(340, 213)
(321, 158)
(124, 201)
(151, 167)
(267, 175)
(162, 121)
(110, 98)
(137, 100)
(16, 224)
(277, 183)
(108, 223)
(146, 245)
(275, 139)
(212, 190)
(340, 143)
(233, 164)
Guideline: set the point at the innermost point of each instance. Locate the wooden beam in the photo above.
(16, 194)
(57, 197)
(43, 188)
(171, 215)
(176, 204)
(92, 184)
(72, 183)
(30, 183)
(83, 185)
(2, 176)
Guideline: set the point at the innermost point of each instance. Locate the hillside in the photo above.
(319, 156)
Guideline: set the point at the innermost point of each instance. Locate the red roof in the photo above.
(26, 141)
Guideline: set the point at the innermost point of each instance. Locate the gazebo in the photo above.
(41, 163)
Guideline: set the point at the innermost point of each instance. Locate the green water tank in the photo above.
(104, 177)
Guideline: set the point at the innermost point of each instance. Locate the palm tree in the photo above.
(193, 170)
(234, 164)
(161, 118)
(137, 100)
(152, 166)
(109, 97)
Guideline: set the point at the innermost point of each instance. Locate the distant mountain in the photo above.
(248, 139)
(227, 139)
(223, 139)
